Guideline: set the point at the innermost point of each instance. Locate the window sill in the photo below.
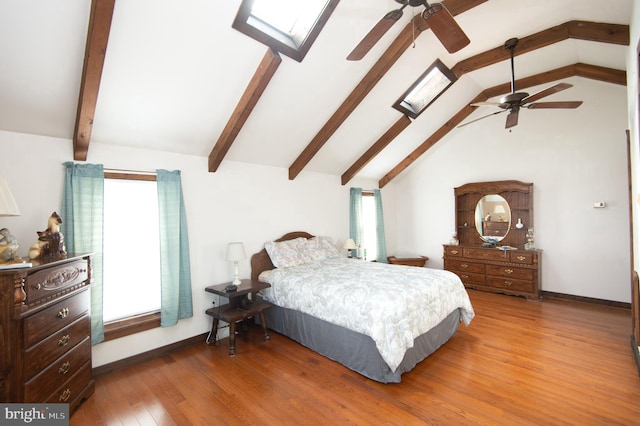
(132, 325)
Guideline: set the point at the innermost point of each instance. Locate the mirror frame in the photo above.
(519, 196)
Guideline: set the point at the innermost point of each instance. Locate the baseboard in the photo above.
(552, 295)
(146, 356)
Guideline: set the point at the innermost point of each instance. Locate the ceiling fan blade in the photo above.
(445, 27)
(546, 92)
(559, 104)
(512, 118)
(375, 34)
(484, 116)
(487, 104)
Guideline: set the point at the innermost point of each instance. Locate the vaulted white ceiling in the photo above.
(175, 70)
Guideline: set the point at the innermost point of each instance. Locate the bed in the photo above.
(377, 319)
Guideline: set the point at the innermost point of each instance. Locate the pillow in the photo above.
(284, 254)
(320, 248)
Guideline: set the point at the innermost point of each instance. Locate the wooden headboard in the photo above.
(261, 261)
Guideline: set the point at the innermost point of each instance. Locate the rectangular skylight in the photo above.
(288, 26)
(424, 91)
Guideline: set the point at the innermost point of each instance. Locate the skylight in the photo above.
(287, 26)
(435, 80)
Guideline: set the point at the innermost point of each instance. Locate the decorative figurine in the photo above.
(8, 246)
(50, 241)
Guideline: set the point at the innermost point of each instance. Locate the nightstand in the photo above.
(409, 261)
(239, 308)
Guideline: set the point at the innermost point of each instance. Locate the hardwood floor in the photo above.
(518, 363)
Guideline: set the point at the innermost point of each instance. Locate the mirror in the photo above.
(493, 217)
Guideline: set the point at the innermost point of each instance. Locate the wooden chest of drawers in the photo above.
(44, 318)
(515, 272)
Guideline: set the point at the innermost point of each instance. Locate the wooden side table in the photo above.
(239, 308)
(409, 261)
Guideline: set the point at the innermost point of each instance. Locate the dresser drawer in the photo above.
(453, 251)
(485, 254)
(48, 282)
(44, 353)
(48, 321)
(71, 389)
(510, 272)
(510, 284)
(58, 373)
(470, 278)
(522, 257)
(463, 266)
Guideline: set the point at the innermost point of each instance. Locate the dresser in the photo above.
(514, 272)
(46, 332)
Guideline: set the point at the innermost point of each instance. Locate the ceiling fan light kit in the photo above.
(514, 101)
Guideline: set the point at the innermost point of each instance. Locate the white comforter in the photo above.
(393, 304)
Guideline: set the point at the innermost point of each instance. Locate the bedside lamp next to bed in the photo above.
(349, 245)
(235, 253)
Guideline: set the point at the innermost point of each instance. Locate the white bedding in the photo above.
(393, 304)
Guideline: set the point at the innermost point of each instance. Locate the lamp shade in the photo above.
(8, 206)
(235, 252)
(499, 208)
(349, 244)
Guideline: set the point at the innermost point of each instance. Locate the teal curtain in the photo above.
(174, 250)
(82, 226)
(381, 243)
(355, 215)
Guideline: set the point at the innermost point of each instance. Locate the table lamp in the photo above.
(349, 245)
(235, 253)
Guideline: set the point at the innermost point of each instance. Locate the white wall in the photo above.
(574, 158)
(240, 202)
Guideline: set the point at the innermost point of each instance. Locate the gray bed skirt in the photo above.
(356, 350)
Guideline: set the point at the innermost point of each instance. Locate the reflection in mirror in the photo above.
(493, 217)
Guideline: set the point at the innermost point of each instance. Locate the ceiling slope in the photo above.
(386, 61)
(589, 31)
(581, 70)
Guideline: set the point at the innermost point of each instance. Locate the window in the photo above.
(287, 26)
(369, 226)
(433, 83)
(131, 265)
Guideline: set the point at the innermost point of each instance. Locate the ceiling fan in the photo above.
(440, 20)
(514, 101)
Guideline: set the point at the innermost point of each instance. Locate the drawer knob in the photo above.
(454, 251)
(64, 396)
(63, 313)
(464, 265)
(508, 271)
(64, 341)
(508, 283)
(521, 258)
(465, 276)
(64, 369)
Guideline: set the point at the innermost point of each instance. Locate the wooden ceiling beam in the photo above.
(376, 148)
(95, 51)
(584, 70)
(582, 30)
(248, 101)
(379, 69)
